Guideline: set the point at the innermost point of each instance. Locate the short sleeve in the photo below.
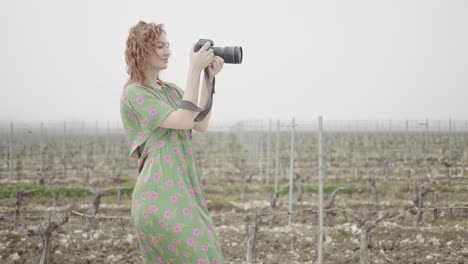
(149, 106)
(174, 86)
(142, 112)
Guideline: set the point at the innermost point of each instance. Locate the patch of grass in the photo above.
(101, 236)
(328, 188)
(443, 188)
(283, 190)
(69, 192)
(341, 235)
(213, 189)
(261, 236)
(386, 189)
(269, 188)
(12, 237)
(313, 188)
(6, 191)
(221, 189)
(219, 205)
(125, 188)
(228, 221)
(254, 196)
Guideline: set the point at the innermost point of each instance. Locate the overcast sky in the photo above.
(344, 60)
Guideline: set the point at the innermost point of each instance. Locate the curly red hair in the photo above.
(141, 42)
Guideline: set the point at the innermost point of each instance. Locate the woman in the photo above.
(168, 202)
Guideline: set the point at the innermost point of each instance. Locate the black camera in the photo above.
(231, 55)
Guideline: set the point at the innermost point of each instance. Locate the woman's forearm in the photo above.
(203, 104)
(204, 94)
(191, 91)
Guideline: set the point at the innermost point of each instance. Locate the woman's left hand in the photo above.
(215, 66)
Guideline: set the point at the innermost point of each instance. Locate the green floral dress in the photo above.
(169, 209)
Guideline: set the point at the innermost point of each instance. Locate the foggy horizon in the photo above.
(343, 60)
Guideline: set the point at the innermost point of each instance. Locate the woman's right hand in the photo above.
(202, 58)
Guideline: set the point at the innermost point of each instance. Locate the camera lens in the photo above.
(231, 55)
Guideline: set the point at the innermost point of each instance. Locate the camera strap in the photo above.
(184, 104)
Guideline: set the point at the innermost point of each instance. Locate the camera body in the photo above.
(231, 55)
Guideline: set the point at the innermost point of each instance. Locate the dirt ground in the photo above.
(444, 241)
